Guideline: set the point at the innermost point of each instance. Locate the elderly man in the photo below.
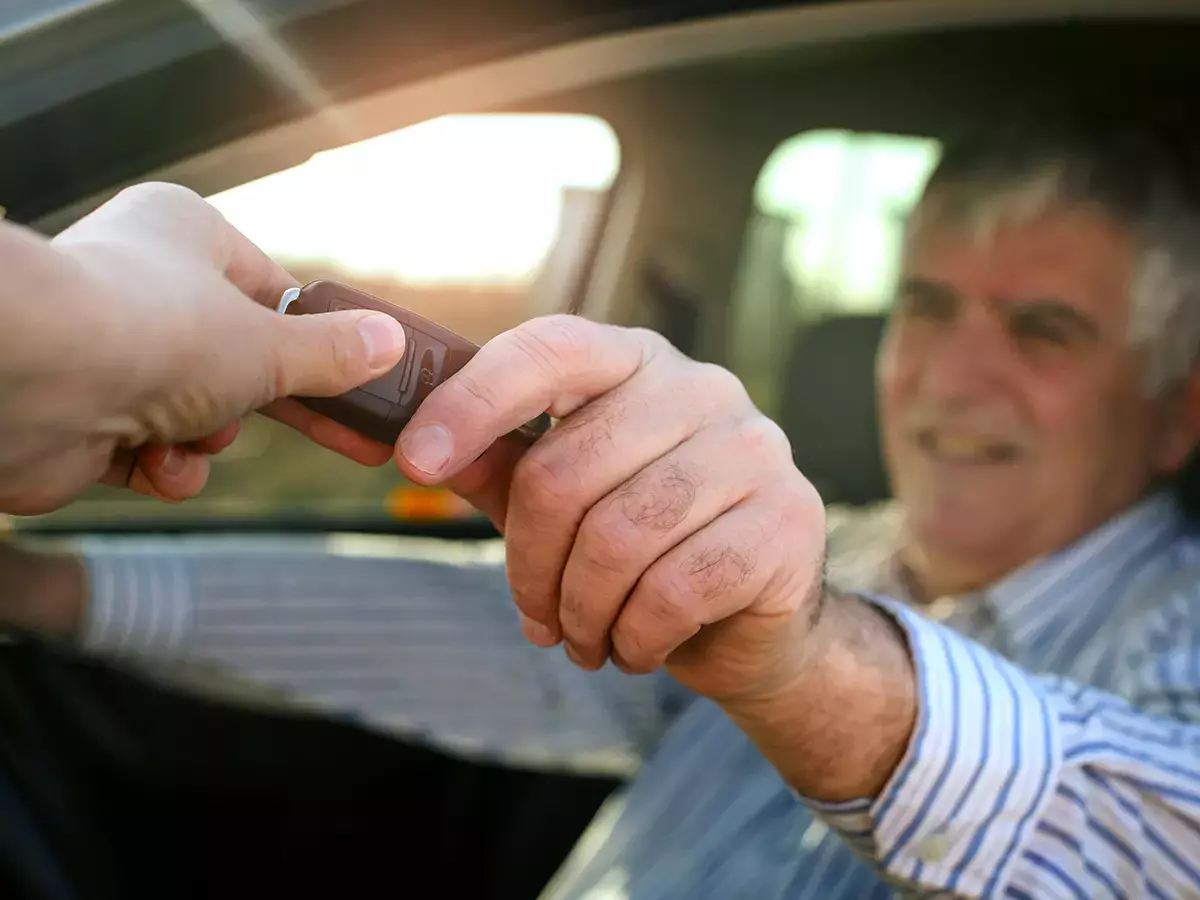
(805, 737)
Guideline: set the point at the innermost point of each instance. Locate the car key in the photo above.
(381, 408)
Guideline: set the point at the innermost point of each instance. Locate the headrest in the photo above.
(828, 408)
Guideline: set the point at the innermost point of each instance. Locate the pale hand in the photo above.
(660, 522)
(136, 340)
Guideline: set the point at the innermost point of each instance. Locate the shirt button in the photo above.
(941, 609)
(933, 849)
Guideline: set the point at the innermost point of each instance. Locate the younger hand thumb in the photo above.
(327, 354)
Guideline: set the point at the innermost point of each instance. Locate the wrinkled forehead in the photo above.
(1023, 242)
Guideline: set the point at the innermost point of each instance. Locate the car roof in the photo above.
(105, 92)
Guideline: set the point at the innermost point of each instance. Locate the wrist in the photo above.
(838, 728)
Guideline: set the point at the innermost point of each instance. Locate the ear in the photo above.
(1181, 424)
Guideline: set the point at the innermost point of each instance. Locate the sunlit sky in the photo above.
(845, 192)
(459, 198)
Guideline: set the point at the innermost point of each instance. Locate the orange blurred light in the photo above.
(425, 504)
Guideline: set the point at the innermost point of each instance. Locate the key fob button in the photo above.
(386, 387)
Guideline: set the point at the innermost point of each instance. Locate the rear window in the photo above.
(478, 222)
(824, 239)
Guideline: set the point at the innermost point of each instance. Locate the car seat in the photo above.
(828, 408)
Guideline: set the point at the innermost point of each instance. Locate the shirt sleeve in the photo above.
(1024, 786)
(430, 650)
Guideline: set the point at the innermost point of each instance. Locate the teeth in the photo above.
(961, 446)
(966, 447)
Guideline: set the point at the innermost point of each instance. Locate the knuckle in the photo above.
(667, 597)
(655, 344)
(718, 391)
(159, 191)
(659, 499)
(802, 503)
(719, 383)
(606, 542)
(543, 481)
(761, 438)
(712, 574)
(587, 434)
(597, 419)
(552, 343)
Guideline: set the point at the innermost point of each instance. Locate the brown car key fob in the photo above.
(381, 408)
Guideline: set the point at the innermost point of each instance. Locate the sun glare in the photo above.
(455, 199)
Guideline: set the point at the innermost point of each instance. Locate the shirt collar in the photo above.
(1080, 583)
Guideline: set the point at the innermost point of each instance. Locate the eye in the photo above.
(1044, 329)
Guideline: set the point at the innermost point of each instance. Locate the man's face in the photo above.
(1013, 411)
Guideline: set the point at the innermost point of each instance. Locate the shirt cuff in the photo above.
(140, 603)
(978, 773)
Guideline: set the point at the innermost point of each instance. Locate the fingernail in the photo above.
(174, 462)
(428, 448)
(537, 633)
(383, 337)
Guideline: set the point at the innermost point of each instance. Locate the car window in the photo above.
(478, 222)
(824, 239)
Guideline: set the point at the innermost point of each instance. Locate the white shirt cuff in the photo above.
(140, 602)
(980, 769)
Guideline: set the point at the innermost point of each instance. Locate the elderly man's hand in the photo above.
(135, 341)
(661, 521)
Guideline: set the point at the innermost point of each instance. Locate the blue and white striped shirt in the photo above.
(1057, 750)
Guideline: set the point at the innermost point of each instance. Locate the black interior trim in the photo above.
(186, 92)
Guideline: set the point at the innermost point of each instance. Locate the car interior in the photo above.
(736, 177)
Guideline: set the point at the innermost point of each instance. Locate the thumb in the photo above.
(327, 354)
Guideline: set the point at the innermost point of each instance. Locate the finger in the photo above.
(485, 483)
(328, 434)
(569, 470)
(574, 466)
(217, 441)
(590, 454)
(251, 271)
(514, 378)
(169, 472)
(643, 519)
(165, 472)
(327, 354)
(717, 572)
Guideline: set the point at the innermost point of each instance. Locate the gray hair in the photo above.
(1125, 173)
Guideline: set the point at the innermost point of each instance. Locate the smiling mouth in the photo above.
(963, 448)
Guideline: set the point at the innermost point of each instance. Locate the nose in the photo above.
(965, 361)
